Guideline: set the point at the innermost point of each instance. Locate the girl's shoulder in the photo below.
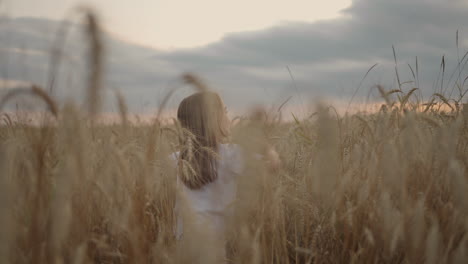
(174, 155)
(230, 150)
(230, 154)
(173, 158)
(231, 147)
(232, 157)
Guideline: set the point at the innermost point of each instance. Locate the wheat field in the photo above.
(382, 187)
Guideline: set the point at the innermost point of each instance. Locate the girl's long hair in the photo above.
(202, 118)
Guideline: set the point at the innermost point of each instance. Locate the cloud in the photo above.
(325, 59)
(12, 84)
(328, 58)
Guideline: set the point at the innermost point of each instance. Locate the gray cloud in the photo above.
(327, 58)
(363, 36)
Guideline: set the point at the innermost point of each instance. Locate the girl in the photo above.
(207, 168)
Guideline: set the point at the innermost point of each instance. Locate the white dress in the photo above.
(211, 204)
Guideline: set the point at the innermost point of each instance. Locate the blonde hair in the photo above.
(202, 115)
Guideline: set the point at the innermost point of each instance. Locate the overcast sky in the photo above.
(170, 24)
(244, 50)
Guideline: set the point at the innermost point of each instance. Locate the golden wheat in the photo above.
(385, 187)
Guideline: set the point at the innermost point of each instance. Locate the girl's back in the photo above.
(206, 175)
(212, 203)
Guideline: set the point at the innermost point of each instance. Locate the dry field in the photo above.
(384, 187)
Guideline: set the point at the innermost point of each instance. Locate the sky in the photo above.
(173, 24)
(260, 52)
